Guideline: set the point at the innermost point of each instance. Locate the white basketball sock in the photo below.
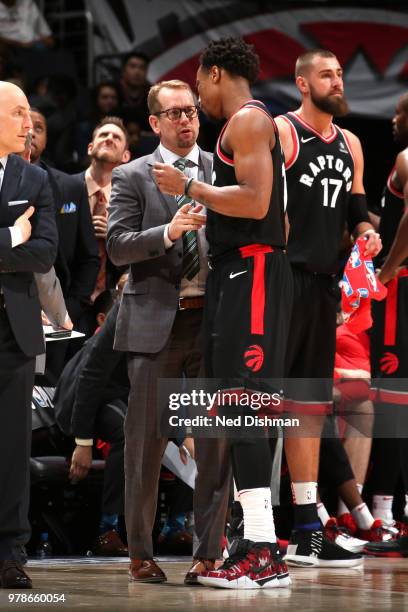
(258, 517)
(362, 516)
(342, 508)
(382, 507)
(304, 493)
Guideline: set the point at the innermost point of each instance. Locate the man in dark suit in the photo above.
(160, 313)
(77, 261)
(108, 150)
(90, 402)
(28, 244)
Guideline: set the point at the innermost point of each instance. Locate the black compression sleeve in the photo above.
(357, 211)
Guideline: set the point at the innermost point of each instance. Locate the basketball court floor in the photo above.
(102, 584)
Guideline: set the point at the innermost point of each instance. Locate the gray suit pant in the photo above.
(143, 447)
(211, 494)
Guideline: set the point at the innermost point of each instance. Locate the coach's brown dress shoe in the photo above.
(12, 576)
(145, 570)
(198, 566)
(109, 544)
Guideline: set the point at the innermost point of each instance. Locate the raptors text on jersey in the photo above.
(319, 179)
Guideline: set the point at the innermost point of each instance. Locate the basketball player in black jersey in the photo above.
(324, 168)
(389, 342)
(248, 295)
(396, 200)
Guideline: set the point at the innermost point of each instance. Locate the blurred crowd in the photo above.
(71, 111)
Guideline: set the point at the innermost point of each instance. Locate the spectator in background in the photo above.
(108, 150)
(106, 101)
(134, 134)
(22, 25)
(40, 96)
(55, 97)
(134, 87)
(8, 67)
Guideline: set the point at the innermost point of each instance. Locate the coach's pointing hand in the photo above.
(185, 220)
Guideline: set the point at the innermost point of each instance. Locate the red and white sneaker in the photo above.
(395, 546)
(377, 532)
(342, 538)
(392, 548)
(402, 528)
(251, 565)
(282, 573)
(347, 523)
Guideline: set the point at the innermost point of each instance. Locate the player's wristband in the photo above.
(187, 185)
(357, 211)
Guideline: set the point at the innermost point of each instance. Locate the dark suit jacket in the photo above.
(113, 273)
(23, 182)
(77, 261)
(95, 376)
(138, 213)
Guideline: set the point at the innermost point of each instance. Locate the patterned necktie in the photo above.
(100, 208)
(191, 260)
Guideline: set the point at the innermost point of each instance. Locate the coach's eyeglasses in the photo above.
(174, 114)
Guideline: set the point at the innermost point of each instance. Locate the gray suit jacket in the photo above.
(138, 213)
(52, 303)
(51, 297)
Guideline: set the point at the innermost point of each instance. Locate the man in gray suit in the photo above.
(162, 239)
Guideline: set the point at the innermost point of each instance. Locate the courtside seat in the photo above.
(53, 469)
(68, 512)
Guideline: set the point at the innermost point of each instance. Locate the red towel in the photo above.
(359, 286)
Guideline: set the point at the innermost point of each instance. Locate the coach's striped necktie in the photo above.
(191, 261)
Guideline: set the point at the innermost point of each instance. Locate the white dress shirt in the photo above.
(196, 286)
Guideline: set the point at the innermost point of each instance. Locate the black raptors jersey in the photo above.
(392, 209)
(226, 233)
(319, 179)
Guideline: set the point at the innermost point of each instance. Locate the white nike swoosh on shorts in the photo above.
(234, 274)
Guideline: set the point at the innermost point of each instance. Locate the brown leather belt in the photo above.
(186, 303)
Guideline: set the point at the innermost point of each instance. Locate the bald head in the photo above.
(7, 88)
(15, 119)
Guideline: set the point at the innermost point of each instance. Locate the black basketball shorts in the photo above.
(389, 343)
(246, 318)
(311, 343)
